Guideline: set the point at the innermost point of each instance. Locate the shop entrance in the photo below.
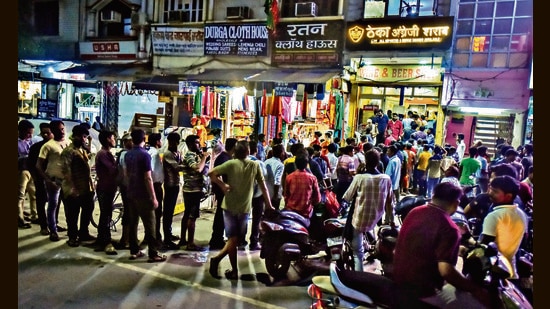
(423, 100)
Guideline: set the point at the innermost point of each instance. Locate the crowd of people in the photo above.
(391, 159)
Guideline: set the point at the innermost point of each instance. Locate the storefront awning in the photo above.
(223, 77)
(111, 72)
(313, 76)
(209, 77)
(165, 83)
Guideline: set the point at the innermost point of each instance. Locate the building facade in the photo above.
(324, 65)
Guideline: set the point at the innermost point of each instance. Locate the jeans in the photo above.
(217, 224)
(41, 200)
(75, 206)
(125, 202)
(140, 208)
(257, 213)
(54, 202)
(358, 250)
(170, 199)
(420, 180)
(159, 194)
(105, 199)
(432, 182)
(235, 224)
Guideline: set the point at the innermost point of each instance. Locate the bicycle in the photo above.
(118, 211)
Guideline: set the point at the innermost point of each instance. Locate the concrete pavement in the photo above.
(54, 275)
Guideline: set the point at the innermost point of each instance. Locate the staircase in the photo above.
(490, 129)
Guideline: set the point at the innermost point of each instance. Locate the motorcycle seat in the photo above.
(289, 214)
(323, 282)
(345, 290)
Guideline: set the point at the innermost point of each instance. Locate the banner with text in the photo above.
(400, 33)
(236, 39)
(403, 72)
(178, 41)
(318, 42)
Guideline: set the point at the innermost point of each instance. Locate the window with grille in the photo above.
(493, 34)
(180, 11)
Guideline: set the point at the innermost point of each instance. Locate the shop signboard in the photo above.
(47, 108)
(314, 42)
(240, 39)
(188, 87)
(425, 32)
(284, 90)
(411, 73)
(177, 41)
(108, 50)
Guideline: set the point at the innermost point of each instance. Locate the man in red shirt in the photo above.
(396, 127)
(301, 191)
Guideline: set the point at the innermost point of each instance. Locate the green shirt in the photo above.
(241, 175)
(469, 166)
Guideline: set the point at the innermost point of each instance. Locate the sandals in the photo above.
(137, 255)
(157, 258)
(231, 274)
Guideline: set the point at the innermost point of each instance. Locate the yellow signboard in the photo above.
(400, 73)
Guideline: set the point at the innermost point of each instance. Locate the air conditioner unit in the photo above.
(139, 19)
(304, 9)
(110, 17)
(238, 12)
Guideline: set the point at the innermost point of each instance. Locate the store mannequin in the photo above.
(199, 125)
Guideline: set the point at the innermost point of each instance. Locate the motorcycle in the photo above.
(485, 266)
(350, 289)
(524, 258)
(288, 238)
(408, 203)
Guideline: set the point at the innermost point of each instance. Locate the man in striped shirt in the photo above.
(373, 197)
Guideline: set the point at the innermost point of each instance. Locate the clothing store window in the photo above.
(180, 11)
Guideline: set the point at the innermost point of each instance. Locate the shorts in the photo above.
(235, 225)
(192, 204)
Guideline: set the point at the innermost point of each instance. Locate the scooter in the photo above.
(351, 289)
(286, 240)
(379, 246)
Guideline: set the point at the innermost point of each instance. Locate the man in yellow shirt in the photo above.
(420, 171)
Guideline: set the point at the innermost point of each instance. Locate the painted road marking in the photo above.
(194, 285)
